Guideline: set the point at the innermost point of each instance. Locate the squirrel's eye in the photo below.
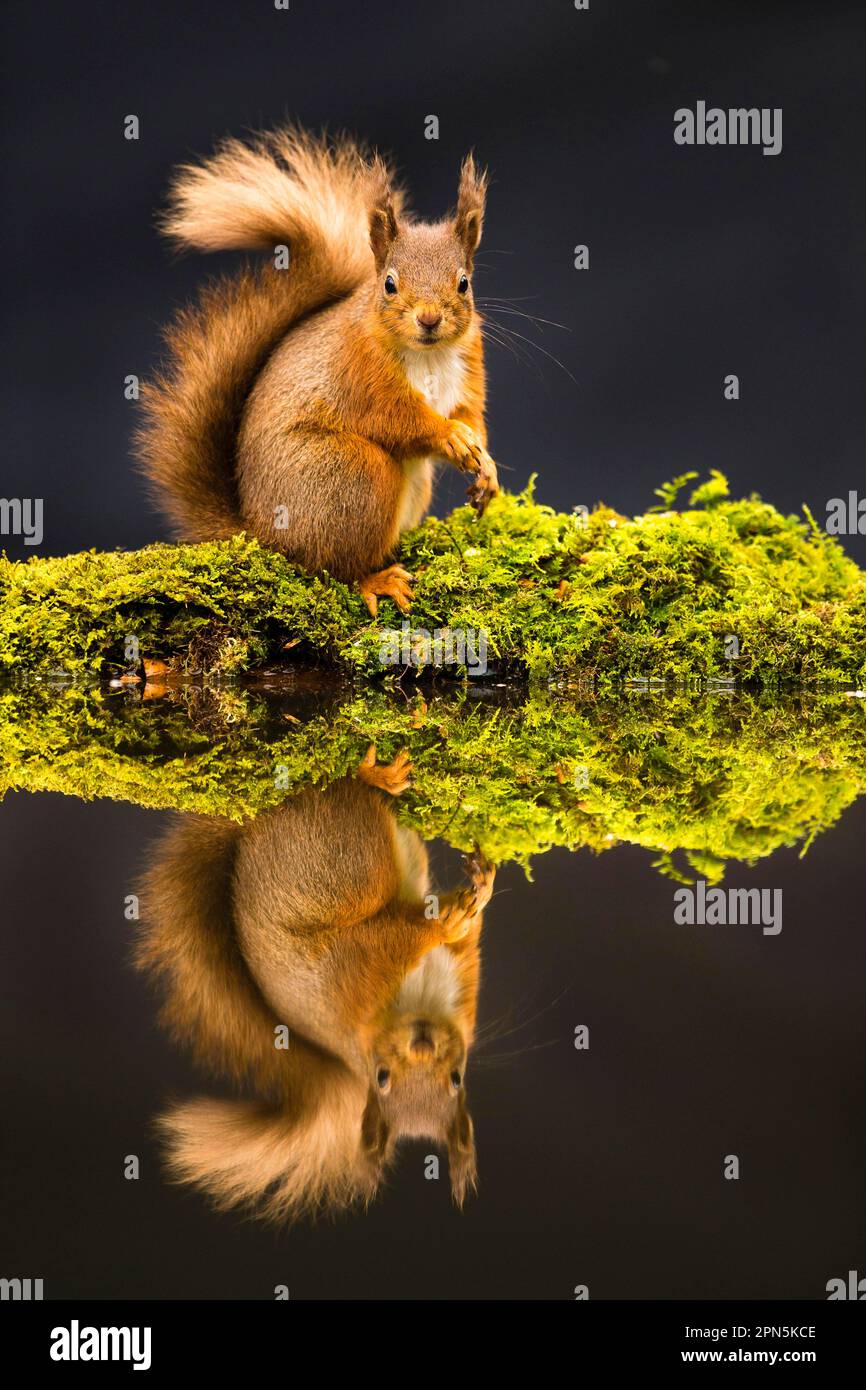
(390, 284)
(382, 1077)
(463, 284)
(456, 1079)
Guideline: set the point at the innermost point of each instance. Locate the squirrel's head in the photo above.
(424, 270)
(417, 1091)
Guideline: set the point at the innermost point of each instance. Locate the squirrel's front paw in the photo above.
(461, 910)
(393, 582)
(483, 486)
(455, 918)
(482, 875)
(463, 447)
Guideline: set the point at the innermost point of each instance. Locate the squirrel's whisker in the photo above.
(512, 332)
(502, 307)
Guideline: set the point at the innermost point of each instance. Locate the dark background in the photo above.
(601, 1167)
(703, 261)
(606, 1167)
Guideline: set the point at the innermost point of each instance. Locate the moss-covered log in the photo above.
(696, 779)
(722, 589)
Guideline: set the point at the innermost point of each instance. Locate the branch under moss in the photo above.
(557, 597)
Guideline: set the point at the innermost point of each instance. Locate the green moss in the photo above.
(696, 779)
(557, 596)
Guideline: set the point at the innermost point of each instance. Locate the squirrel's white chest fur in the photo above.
(437, 374)
(432, 989)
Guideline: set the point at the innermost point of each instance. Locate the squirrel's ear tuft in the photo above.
(383, 220)
(471, 195)
(462, 1162)
(374, 1146)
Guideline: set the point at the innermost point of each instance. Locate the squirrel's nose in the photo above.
(429, 319)
(422, 1044)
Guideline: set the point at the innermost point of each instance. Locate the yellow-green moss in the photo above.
(558, 597)
(696, 778)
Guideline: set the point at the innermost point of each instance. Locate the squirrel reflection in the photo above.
(315, 916)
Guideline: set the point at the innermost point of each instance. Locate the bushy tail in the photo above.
(286, 187)
(299, 1147)
(275, 1163)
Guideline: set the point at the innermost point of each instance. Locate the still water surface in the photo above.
(653, 1109)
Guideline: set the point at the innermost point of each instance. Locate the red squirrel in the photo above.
(315, 918)
(308, 405)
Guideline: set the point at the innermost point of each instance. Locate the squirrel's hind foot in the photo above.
(393, 778)
(393, 582)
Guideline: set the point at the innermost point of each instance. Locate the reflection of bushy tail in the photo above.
(285, 187)
(243, 1153)
(301, 1148)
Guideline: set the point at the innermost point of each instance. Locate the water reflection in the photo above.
(305, 955)
(291, 902)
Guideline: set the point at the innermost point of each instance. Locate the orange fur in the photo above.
(250, 927)
(295, 405)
